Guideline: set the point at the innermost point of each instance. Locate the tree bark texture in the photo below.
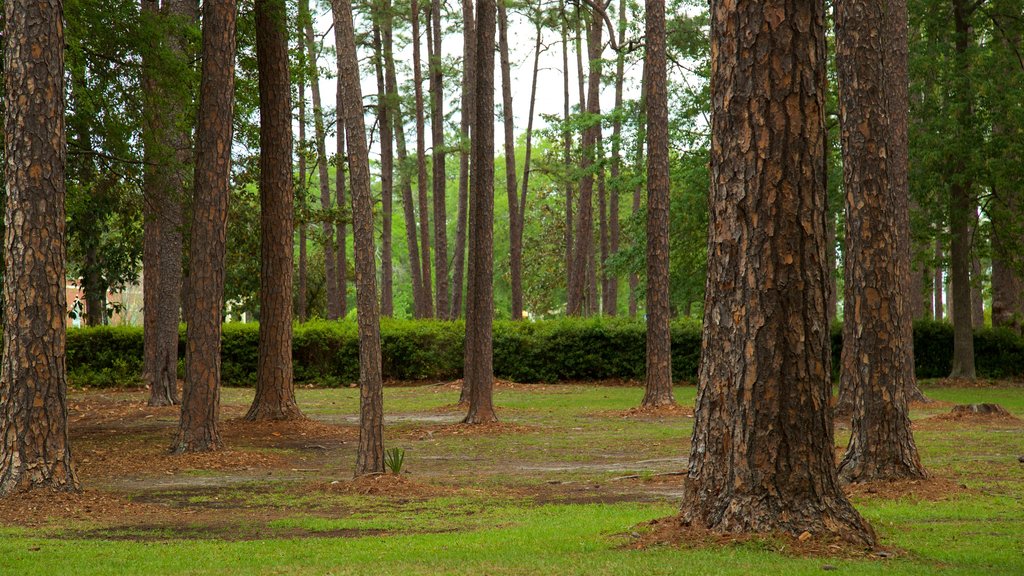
(421, 163)
(198, 429)
(511, 186)
(330, 261)
(762, 455)
(611, 290)
(658, 382)
(567, 157)
(370, 455)
(468, 103)
(878, 339)
(275, 390)
(302, 196)
(387, 175)
(439, 178)
(34, 449)
(638, 163)
(339, 192)
(479, 367)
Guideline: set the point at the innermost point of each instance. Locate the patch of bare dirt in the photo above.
(648, 412)
(933, 489)
(41, 507)
(304, 433)
(391, 485)
(996, 419)
(462, 429)
(672, 532)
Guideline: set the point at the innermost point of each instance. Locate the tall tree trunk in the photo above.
(583, 284)
(612, 287)
(275, 391)
(439, 180)
(94, 286)
(878, 338)
(511, 186)
(638, 163)
(468, 104)
(961, 207)
(479, 367)
(339, 189)
(938, 284)
(204, 301)
(658, 382)
(762, 456)
(421, 162)
(977, 299)
(566, 159)
(34, 450)
(387, 174)
(370, 455)
(528, 153)
(301, 212)
(591, 169)
(330, 262)
(421, 301)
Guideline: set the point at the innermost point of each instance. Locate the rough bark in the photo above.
(439, 179)
(204, 297)
(878, 354)
(961, 207)
(275, 391)
(420, 300)
(370, 455)
(330, 261)
(387, 175)
(762, 455)
(479, 367)
(34, 450)
(658, 382)
(468, 103)
(421, 163)
(511, 186)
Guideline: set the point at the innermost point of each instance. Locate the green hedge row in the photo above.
(326, 353)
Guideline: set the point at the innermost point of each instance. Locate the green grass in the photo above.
(517, 503)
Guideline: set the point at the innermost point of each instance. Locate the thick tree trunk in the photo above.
(275, 391)
(420, 299)
(387, 175)
(421, 163)
(961, 209)
(465, 122)
(762, 456)
(439, 179)
(330, 261)
(204, 302)
(658, 382)
(511, 186)
(479, 367)
(370, 455)
(34, 450)
(878, 342)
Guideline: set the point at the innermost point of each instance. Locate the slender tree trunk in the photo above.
(34, 450)
(658, 383)
(421, 162)
(762, 456)
(878, 343)
(387, 174)
(977, 300)
(511, 186)
(938, 284)
(330, 262)
(420, 299)
(961, 208)
(611, 289)
(439, 179)
(370, 455)
(567, 158)
(595, 165)
(339, 188)
(301, 212)
(204, 302)
(275, 391)
(465, 122)
(95, 287)
(527, 155)
(641, 137)
(479, 367)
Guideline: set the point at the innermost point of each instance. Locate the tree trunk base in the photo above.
(914, 394)
(658, 400)
(765, 513)
(59, 478)
(858, 468)
(186, 443)
(276, 413)
(480, 416)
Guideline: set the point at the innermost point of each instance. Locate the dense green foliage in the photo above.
(327, 353)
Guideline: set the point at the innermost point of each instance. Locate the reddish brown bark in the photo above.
(370, 455)
(511, 185)
(387, 174)
(479, 367)
(762, 455)
(275, 391)
(465, 123)
(878, 354)
(204, 298)
(34, 450)
(438, 179)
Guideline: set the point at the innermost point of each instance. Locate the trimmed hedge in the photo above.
(326, 353)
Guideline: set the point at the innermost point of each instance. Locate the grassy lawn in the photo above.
(563, 486)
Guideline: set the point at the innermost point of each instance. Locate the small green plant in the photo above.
(393, 460)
